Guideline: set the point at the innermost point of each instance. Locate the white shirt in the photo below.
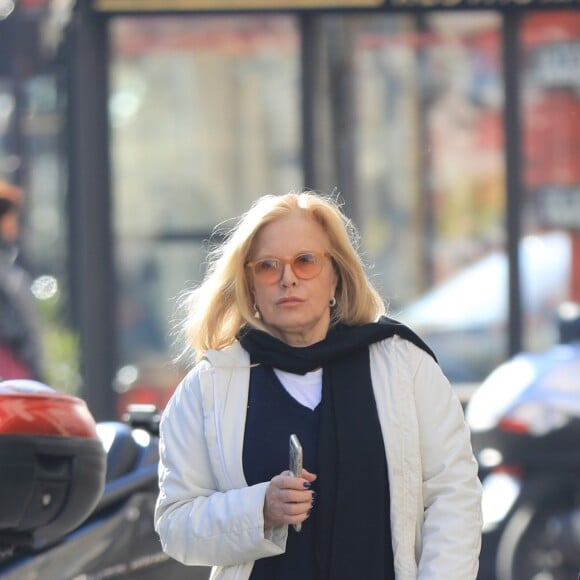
(306, 389)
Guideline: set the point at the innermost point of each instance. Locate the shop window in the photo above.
(205, 117)
(550, 45)
(431, 180)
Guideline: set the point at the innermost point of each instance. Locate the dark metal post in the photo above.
(318, 159)
(512, 128)
(308, 69)
(90, 204)
(342, 93)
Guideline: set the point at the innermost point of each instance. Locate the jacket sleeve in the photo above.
(451, 531)
(198, 524)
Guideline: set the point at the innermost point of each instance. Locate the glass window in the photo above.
(205, 116)
(431, 179)
(44, 240)
(31, 157)
(551, 169)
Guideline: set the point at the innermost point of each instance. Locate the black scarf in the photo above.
(353, 538)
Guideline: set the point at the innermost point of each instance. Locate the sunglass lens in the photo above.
(306, 265)
(267, 268)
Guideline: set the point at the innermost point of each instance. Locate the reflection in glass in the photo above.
(204, 115)
(431, 169)
(205, 118)
(551, 140)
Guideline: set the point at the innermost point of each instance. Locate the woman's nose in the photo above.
(288, 276)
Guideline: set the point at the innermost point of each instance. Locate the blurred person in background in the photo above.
(20, 344)
(291, 337)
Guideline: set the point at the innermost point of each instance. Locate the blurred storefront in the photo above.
(451, 131)
(33, 155)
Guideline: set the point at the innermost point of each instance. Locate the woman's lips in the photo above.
(289, 301)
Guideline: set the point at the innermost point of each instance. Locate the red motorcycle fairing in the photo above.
(31, 408)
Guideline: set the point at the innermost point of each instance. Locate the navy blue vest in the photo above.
(272, 416)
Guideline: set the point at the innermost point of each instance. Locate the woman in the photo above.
(290, 338)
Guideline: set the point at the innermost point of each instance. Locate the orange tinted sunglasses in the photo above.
(305, 265)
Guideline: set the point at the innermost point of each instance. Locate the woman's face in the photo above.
(295, 310)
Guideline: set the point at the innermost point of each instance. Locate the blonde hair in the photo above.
(222, 304)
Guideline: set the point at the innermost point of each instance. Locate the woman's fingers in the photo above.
(288, 500)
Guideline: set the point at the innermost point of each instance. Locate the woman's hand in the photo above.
(288, 499)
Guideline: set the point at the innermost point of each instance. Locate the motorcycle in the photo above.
(77, 497)
(525, 424)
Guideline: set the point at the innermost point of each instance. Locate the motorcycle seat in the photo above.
(123, 452)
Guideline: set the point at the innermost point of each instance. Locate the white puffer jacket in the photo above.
(207, 515)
